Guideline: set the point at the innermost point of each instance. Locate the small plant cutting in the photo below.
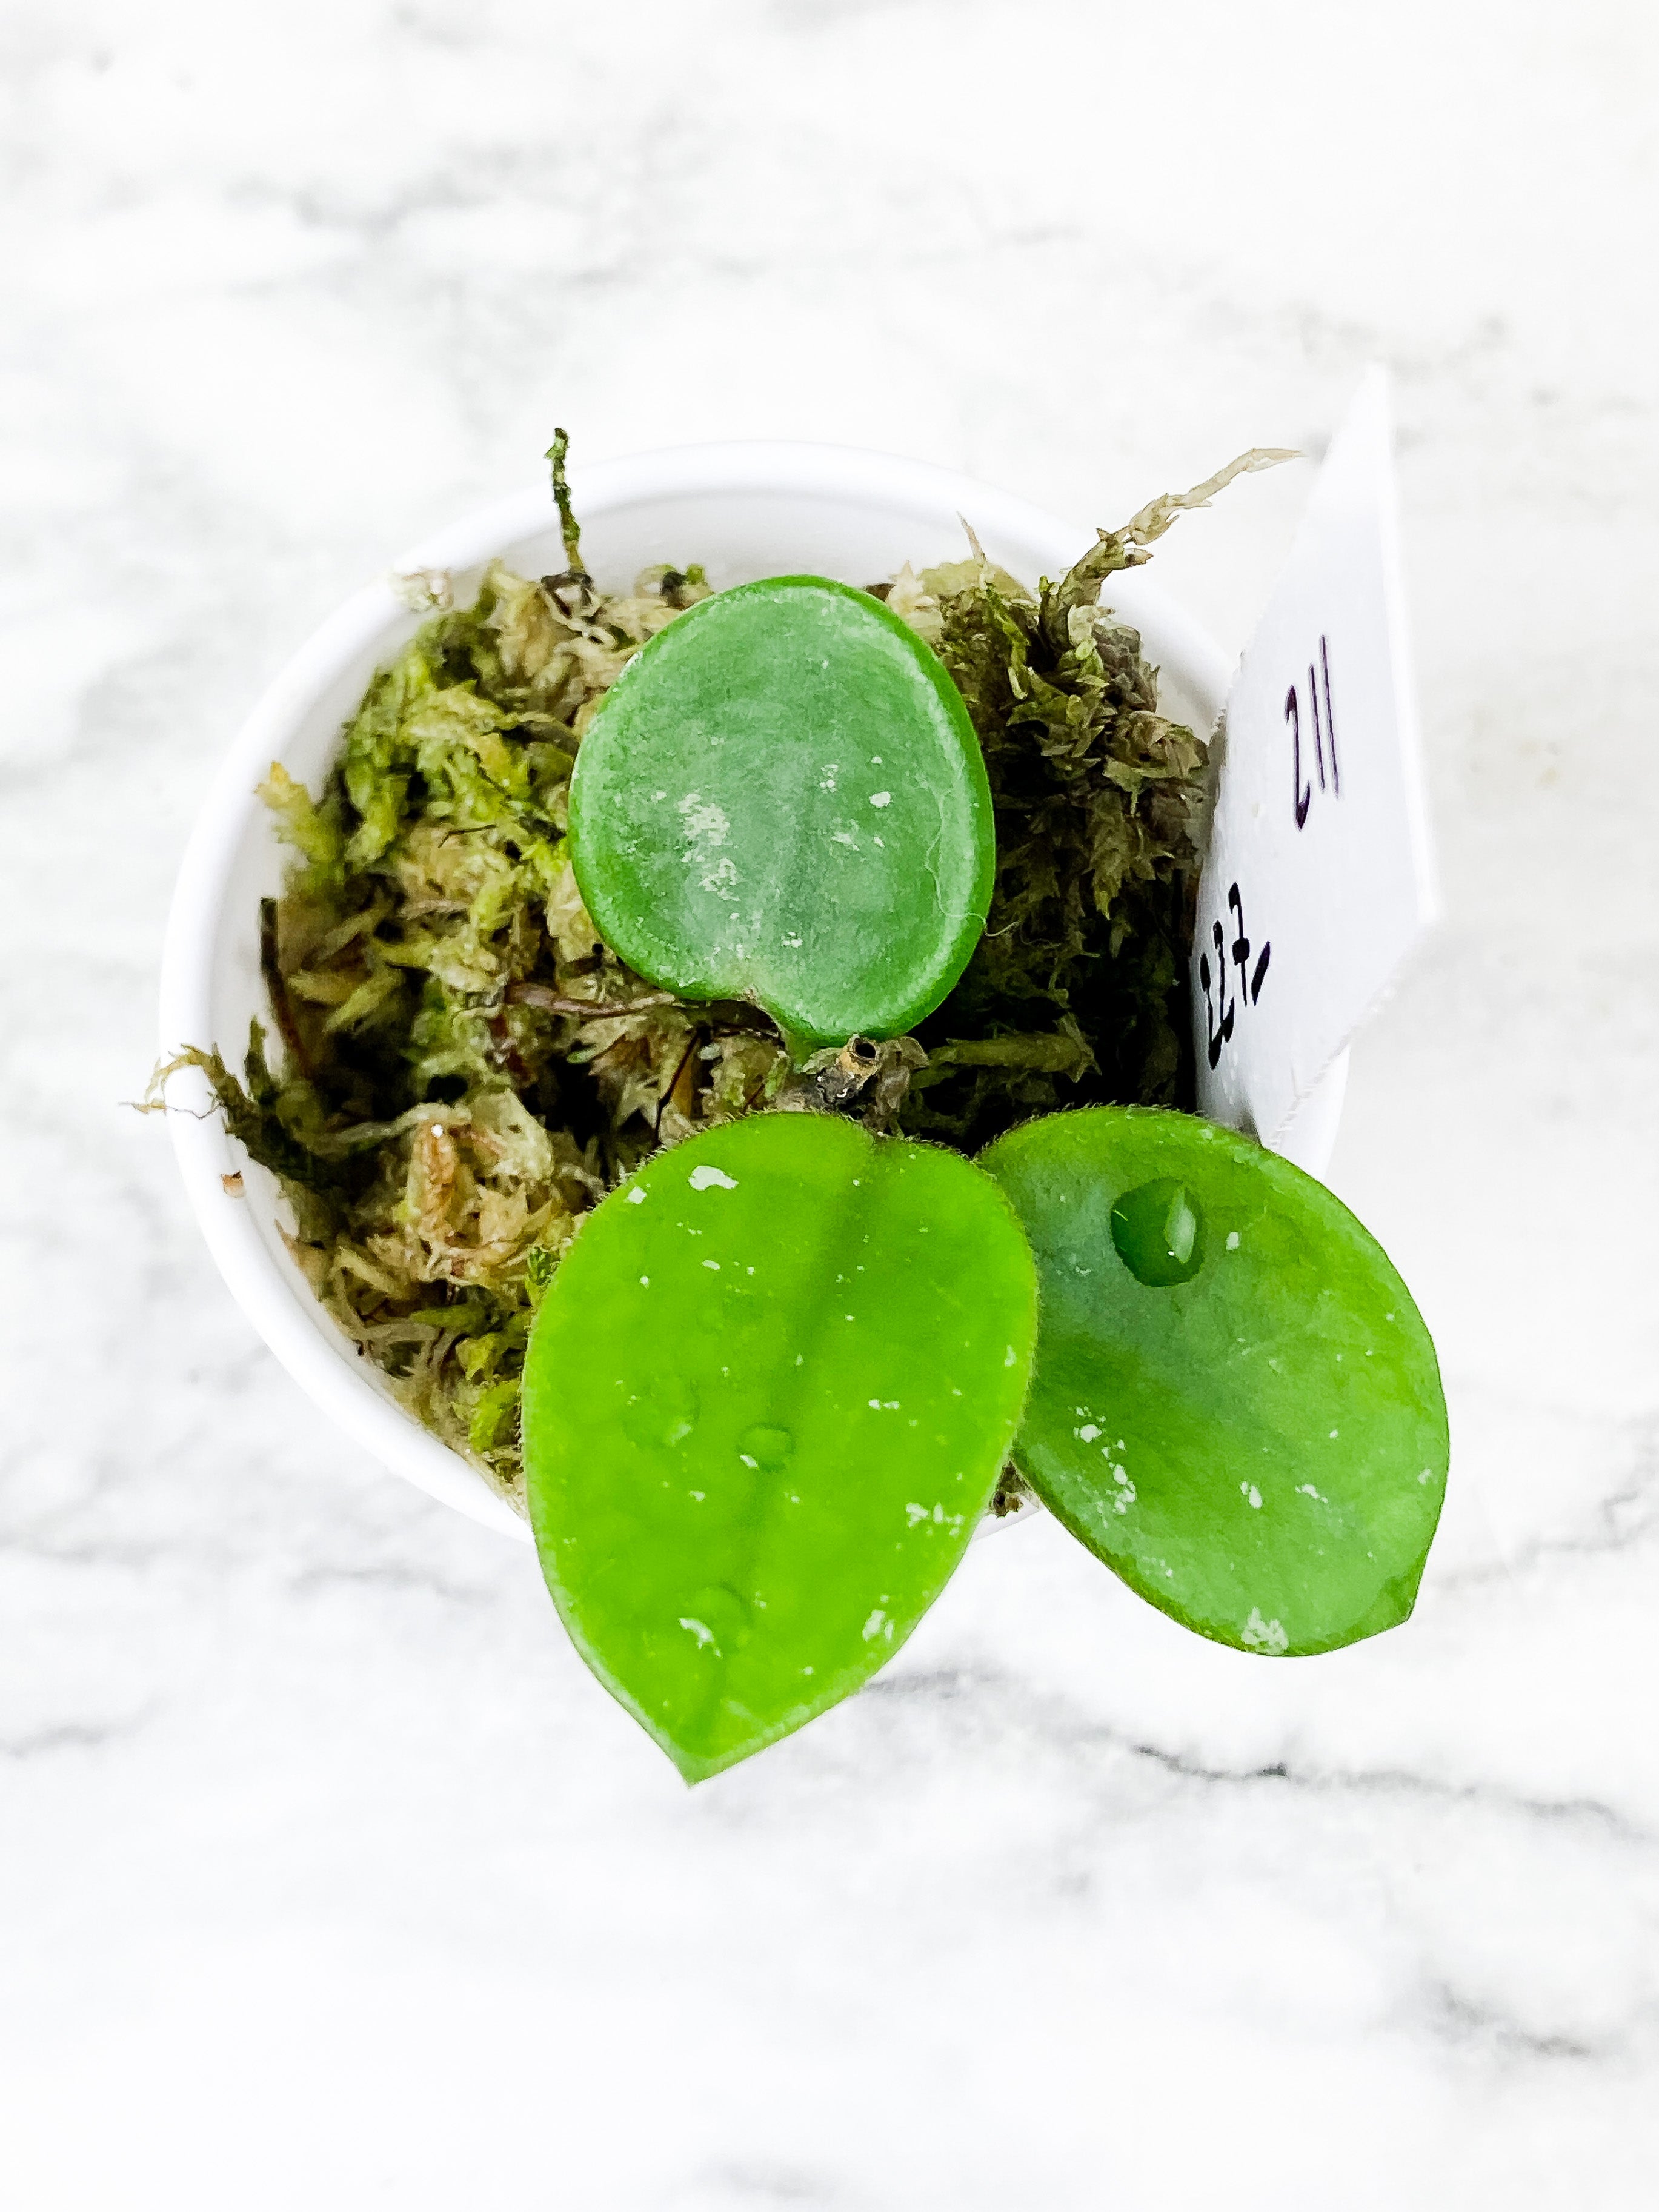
(734, 1084)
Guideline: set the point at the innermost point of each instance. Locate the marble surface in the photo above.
(327, 1876)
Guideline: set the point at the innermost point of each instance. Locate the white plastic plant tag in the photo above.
(1319, 879)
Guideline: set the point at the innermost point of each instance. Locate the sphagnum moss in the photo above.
(465, 1067)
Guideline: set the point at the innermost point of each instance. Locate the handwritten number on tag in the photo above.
(1324, 737)
(1221, 1012)
(1241, 949)
(1217, 1020)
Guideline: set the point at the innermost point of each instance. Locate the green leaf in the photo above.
(767, 1399)
(1236, 1404)
(782, 799)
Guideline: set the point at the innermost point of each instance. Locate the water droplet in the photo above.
(1158, 1230)
(718, 1618)
(767, 1446)
(663, 1412)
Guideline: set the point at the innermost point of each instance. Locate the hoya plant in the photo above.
(816, 954)
(770, 1392)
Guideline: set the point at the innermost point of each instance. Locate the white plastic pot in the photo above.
(742, 510)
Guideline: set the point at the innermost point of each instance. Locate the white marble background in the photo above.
(327, 1876)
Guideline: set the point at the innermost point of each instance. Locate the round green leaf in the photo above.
(766, 1400)
(782, 799)
(1236, 1404)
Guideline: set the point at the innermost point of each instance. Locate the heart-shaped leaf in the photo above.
(1236, 1404)
(782, 799)
(766, 1400)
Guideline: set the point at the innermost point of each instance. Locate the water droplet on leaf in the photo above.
(718, 1618)
(1158, 1230)
(767, 1446)
(665, 1413)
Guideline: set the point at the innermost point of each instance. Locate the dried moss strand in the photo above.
(549, 1002)
(569, 530)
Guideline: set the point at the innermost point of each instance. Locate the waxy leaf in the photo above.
(782, 799)
(767, 1399)
(1236, 1404)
